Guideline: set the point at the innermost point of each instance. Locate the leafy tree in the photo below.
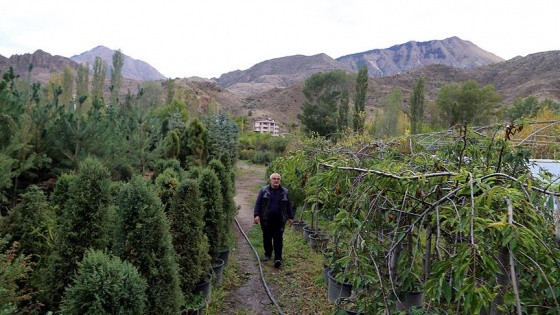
(324, 94)
(116, 76)
(214, 216)
(528, 107)
(98, 79)
(143, 238)
(189, 240)
(417, 100)
(105, 284)
(466, 102)
(392, 107)
(82, 225)
(359, 114)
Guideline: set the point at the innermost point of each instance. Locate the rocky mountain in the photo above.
(273, 88)
(44, 65)
(282, 72)
(398, 59)
(132, 68)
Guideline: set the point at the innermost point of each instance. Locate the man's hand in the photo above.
(290, 221)
(257, 220)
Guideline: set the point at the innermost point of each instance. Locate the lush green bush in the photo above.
(143, 238)
(105, 284)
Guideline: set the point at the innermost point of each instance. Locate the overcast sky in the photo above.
(207, 38)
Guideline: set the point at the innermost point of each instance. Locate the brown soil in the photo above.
(250, 297)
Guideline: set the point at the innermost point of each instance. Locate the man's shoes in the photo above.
(266, 258)
(277, 264)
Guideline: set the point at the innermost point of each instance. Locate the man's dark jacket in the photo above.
(273, 204)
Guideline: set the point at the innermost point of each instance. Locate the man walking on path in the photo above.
(272, 210)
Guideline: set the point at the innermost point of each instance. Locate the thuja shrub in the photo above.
(189, 241)
(60, 192)
(83, 224)
(214, 217)
(105, 284)
(166, 184)
(227, 191)
(143, 238)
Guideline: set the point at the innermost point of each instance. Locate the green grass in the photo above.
(303, 289)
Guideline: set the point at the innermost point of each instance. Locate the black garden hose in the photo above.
(260, 269)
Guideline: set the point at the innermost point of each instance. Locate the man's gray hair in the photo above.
(273, 174)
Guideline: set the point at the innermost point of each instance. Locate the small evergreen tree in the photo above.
(105, 284)
(143, 238)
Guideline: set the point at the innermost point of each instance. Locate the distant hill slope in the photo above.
(132, 68)
(277, 73)
(397, 59)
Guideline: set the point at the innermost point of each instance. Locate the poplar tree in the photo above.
(417, 107)
(98, 77)
(359, 114)
(82, 80)
(116, 76)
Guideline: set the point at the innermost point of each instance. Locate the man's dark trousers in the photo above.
(272, 238)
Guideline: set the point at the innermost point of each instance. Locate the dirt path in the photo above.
(250, 297)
